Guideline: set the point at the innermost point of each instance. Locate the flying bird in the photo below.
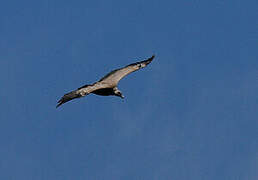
(107, 85)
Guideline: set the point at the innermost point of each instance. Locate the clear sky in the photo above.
(192, 114)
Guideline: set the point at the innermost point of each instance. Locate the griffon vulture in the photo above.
(107, 85)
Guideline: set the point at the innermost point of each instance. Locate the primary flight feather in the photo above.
(107, 85)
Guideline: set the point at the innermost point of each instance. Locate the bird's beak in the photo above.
(122, 96)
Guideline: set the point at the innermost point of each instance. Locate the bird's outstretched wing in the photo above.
(115, 76)
(81, 92)
(68, 97)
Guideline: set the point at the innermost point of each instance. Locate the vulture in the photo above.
(107, 85)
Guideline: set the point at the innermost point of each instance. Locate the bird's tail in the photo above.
(68, 97)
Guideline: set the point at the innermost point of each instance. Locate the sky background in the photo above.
(191, 114)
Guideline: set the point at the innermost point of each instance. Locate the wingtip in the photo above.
(59, 105)
(150, 59)
(61, 101)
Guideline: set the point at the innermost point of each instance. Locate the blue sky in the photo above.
(191, 114)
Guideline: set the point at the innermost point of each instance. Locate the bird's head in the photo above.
(119, 94)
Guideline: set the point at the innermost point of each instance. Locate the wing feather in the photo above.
(81, 92)
(115, 76)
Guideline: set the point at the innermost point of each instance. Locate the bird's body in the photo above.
(107, 85)
(104, 92)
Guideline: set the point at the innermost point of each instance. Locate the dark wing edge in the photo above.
(87, 85)
(68, 97)
(145, 62)
(108, 74)
(80, 92)
(140, 65)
